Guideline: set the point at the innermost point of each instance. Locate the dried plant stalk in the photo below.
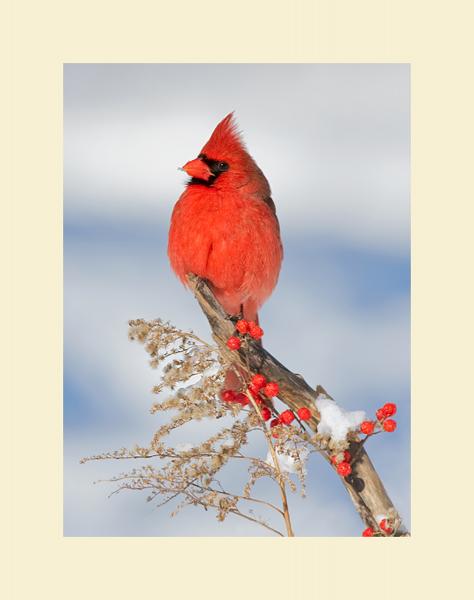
(190, 474)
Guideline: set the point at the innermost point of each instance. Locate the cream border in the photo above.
(433, 37)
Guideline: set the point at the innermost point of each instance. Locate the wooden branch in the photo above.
(364, 486)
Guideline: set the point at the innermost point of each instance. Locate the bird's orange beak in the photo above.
(197, 168)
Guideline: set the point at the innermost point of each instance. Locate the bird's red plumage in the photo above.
(227, 231)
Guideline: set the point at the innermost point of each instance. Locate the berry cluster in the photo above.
(288, 416)
(262, 390)
(385, 529)
(258, 386)
(343, 463)
(244, 327)
(383, 422)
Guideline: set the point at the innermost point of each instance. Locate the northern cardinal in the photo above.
(224, 226)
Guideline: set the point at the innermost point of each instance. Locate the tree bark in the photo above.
(364, 486)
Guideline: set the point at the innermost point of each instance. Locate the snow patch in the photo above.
(288, 463)
(335, 421)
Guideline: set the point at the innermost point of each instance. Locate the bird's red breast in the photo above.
(224, 227)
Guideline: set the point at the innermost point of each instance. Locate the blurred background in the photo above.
(334, 143)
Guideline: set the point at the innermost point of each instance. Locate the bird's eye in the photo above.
(222, 166)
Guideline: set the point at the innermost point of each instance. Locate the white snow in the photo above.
(196, 380)
(286, 462)
(335, 421)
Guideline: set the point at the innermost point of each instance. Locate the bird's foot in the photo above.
(234, 318)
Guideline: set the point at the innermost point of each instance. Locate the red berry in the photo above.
(271, 389)
(389, 425)
(337, 458)
(228, 396)
(344, 469)
(369, 532)
(258, 381)
(233, 343)
(255, 395)
(389, 409)
(242, 326)
(242, 399)
(384, 526)
(256, 332)
(304, 413)
(287, 417)
(274, 423)
(253, 390)
(266, 413)
(380, 414)
(367, 427)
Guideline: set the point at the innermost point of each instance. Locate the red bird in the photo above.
(224, 226)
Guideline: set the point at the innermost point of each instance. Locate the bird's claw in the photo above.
(234, 318)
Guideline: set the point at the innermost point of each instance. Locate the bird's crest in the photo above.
(225, 140)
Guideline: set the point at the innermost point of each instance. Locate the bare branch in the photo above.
(364, 486)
